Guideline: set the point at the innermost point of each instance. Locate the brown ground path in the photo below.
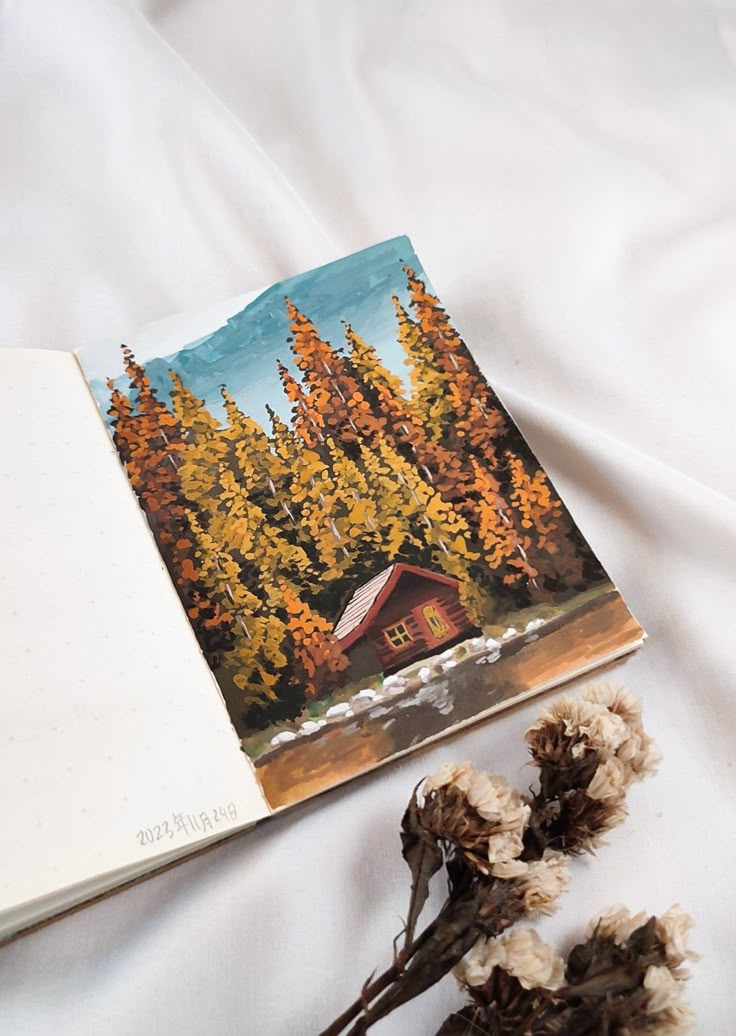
(585, 637)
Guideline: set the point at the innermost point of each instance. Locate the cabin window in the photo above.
(435, 621)
(398, 635)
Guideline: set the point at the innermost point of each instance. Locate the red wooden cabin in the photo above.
(399, 616)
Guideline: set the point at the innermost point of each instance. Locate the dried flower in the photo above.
(673, 929)
(616, 923)
(589, 752)
(481, 814)
(521, 953)
(667, 1013)
(619, 980)
(505, 856)
(609, 781)
(540, 883)
(572, 726)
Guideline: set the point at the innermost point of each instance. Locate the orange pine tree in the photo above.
(505, 548)
(546, 523)
(331, 387)
(319, 658)
(476, 418)
(308, 421)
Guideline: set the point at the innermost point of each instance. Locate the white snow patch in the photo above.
(341, 709)
(449, 664)
(366, 694)
(534, 625)
(309, 726)
(394, 683)
(283, 737)
(446, 655)
(509, 633)
(425, 674)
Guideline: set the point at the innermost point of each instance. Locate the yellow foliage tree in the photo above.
(441, 467)
(259, 655)
(204, 450)
(429, 385)
(421, 516)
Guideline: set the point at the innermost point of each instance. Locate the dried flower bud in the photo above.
(521, 953)
(482, 815)
(540, 883)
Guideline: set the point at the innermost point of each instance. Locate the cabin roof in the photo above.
(365, 603)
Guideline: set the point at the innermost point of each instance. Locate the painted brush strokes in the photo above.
(367, 549)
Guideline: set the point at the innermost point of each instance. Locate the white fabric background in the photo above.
(567, 173)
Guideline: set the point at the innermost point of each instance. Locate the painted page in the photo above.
(116, 747)
(368, 550)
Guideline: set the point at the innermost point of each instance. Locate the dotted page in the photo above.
(115, 746)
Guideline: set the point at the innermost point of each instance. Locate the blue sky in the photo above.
(242, 353)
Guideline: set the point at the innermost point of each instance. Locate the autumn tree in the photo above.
(476, 419)
(151, 441)
(429, 398)
(422, 519)
(547, 525)
(260, 662)
(441, 467)
(204, 448)
(319, 659)
(504, 547)
(307, 420)
(331, 388)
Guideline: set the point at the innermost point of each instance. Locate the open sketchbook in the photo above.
(257, 551)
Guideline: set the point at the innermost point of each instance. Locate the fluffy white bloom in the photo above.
(673, 929)
(663, 989)
(494, 800)
(476, 967)
(448, 773)
(617, 700)
(521, 953)
(665, 1005)
(609, 780)
(541, 882)
(584, 720)
(617, 922)
(533, 962)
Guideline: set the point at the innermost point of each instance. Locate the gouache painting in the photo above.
(367, 549)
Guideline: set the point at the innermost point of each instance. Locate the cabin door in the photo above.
(435, 623)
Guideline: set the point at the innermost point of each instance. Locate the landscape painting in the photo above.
(367, 549)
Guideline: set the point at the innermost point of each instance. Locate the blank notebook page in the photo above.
(115, 747)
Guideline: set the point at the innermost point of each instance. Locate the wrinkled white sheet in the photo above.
(567, 173)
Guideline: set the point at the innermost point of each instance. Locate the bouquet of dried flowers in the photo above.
(626, 977)
(505, 856)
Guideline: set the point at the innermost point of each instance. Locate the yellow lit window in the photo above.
(398, 635)
(434, 620)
